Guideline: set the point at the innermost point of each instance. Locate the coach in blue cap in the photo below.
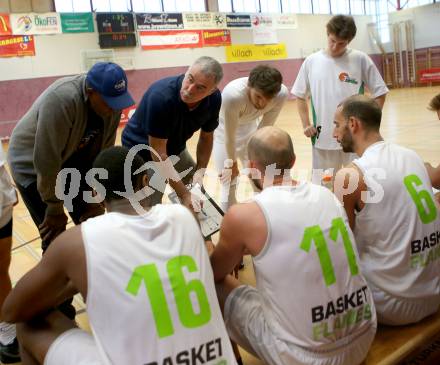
(67, 126)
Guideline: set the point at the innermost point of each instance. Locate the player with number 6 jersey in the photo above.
(393, 215)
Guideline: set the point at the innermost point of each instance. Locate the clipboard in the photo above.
(211, 215)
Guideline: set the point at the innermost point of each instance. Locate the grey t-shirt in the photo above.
(49, 133)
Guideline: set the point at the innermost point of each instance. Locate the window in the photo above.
(370, 7)
(321, 7)
(246, 6)
(72, 6)
(183, 5)
(141, 6)
(382, 9)
(111, 5)
(225, 6)
(414, 3)
(297, 6)
(340, 7)
(270, 6)
(357, 7)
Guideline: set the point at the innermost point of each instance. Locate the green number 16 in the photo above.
(182, 294)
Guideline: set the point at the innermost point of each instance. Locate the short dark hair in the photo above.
(434, 104)
(342, 26)
(112, 160)
(266, 152)
(366, 109)
(266, 79)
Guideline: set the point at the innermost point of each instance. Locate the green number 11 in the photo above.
(182, 291)
(315, 234)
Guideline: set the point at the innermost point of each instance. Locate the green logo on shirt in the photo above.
(344, 77)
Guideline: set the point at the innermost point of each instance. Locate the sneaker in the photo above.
(9, 354)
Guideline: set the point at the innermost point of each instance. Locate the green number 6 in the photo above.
(418, 197)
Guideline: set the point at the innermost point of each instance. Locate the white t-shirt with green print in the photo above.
(151, 297)
(328, 81)
(308, 275)
(398, 230)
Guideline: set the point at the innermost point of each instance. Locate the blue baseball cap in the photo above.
(110, 81)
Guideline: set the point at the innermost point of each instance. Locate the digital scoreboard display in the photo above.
(116, 30)
(115, 22)
(115, 40)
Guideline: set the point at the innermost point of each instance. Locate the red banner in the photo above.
(429, 75)
(126, 114)
(5, 24)
(17, 45)
(171, 39)
(216, 37)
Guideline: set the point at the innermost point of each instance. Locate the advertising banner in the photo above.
(238, 21)
(251, 52)
(216, 37)
(429, 75)
(126, 114)
(17, 45)
(170, 39)
(261, 20)
(5, 24)
(264, 35)
(35, 23)
(285, 21)
(77, 22)
(159, 21)
(204, 20)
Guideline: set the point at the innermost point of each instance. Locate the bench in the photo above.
(394, 344)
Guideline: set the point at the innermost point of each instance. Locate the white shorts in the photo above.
(396, 311)
(247, 326)
(73, 347)
(329, 159)
(242, 136)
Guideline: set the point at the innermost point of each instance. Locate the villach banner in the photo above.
(77, 23)
(33, 23)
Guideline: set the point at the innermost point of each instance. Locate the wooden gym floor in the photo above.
(406, 121)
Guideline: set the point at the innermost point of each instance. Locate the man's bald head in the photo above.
(271, 145)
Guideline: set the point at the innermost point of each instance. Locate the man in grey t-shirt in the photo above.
(67, 126)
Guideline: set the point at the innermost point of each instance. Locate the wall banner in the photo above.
(204, 20)
(17, 45)
(77, 22)
(238, 21)
(158, 21)
(429, 75)
(170, 39)
(5, 24)
(36, 23)
(250, 52)
(286, 21)
(126, 114)
(261, 20)
(216, 37)
(265, 35)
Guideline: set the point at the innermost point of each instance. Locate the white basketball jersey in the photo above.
(151, 295)
(308, 273)
(398, 230)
